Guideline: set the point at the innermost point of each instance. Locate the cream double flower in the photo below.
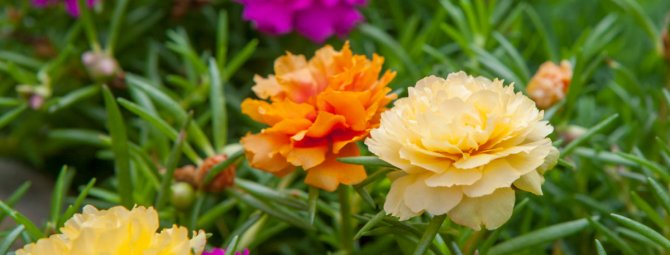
(117, 231)
(462, 143)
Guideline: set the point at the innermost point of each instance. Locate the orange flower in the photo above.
(317, 110)
(550, 83)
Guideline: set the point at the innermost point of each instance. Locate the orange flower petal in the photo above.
(266, 87)
(263, 152)
(347, 104)
(307, 157)
(325, 123)
(289, 126)
(271, 114)
(331, 172)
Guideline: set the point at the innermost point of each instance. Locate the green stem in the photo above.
(89, 27)
(346, 236)
(429, 234)
(117, 19)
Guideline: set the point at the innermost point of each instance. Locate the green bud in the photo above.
(182, 195)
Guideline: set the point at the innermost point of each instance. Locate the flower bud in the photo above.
(550, 84)
(182, 195)
(224, 179)
(100, 65)
(572, 132)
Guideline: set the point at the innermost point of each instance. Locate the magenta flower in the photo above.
(219, 251)
(71, 6)
(314, 19)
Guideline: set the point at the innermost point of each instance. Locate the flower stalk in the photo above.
(428, 236)
(347, 239)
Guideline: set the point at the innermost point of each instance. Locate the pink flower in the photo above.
(71, 6)
(314, 19)
(219, 251)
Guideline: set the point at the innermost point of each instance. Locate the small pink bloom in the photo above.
(71, 6)
(314, 19)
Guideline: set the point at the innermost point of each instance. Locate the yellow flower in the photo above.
(462, 143)
(550, 83)
(117, 231)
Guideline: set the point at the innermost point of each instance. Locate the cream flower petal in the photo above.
(395, 204)
(492, 210)
(482, 159)
(424, 159)
(531, 182)
(454, 176)
(503, 172)
(435, 200)
(497, 174)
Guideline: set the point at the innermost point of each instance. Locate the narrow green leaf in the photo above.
(222, 40)
(497, 66)
(73, 208)
(542, 32)
(218, 107)
(613, 237)
(6, 101)
(540, 236)
(643, 230)
(388, 41)
(15, 197)
(20, 59)
(666, 95)
(368, 225)
(174, 110)
(370, 161)
(10, 116)
(660, 193)
(652, 166)
(599, 248)
(242, 228)
(60, 191)
(161, 125)
(74, 97)
(10, 238)
(232, 246)
(647, 209)
(21, 219)
(171, 166)
(196, 208)
(363, 193)
(586, 136)
(519, 63)
(267, 194)
(239, 59)
(105, 195)
(214, 213)
(312, 200)
(285, 215)
(117, 130)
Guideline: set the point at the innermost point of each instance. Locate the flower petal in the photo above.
(420, 197)
(455, 176)
(504, 171)
(329, 174)
(263, 152)
(492, 210)
(307, 157)
(395, 202)
(531, 182)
